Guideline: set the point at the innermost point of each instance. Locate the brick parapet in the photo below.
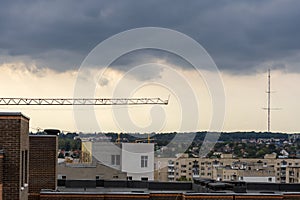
(42, 163)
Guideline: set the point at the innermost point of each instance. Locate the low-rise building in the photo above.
(134, 159)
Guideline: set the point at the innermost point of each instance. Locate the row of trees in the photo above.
(69, 142)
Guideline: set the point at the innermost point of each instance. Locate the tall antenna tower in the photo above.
(269, 101)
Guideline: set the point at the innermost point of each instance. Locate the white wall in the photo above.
(131, 160)
(259, 179)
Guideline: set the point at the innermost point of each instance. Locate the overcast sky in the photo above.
(43, 44)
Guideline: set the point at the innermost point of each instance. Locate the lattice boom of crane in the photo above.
(81, 101)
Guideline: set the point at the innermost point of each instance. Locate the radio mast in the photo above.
(269, 108)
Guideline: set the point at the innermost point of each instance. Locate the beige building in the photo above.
(268, 169)
(293, 174)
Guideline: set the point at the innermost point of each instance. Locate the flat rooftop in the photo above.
(199, 189)
(13, 114)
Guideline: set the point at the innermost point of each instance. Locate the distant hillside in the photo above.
(165, 138)
(67, 140)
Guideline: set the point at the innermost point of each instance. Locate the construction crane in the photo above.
(148, 139)
(82, 101)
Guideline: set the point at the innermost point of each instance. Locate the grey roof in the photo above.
(37, 135)
(13, 114)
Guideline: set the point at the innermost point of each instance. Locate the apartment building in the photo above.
(268, 169)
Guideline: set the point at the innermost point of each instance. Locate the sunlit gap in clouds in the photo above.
(245, 98)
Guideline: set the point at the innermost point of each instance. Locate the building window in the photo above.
(144, 161)
(115, 159)
(22, 167)
(144, 178)
(26, 166)
(171, 162)
(270, 179)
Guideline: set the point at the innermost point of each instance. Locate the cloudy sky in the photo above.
(44, 44)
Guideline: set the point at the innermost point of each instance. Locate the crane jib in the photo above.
(82, 101)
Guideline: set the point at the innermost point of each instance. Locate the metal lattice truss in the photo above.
(81, 101)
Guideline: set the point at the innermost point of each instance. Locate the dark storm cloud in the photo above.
(241, 36)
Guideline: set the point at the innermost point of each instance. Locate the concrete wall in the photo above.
(102, 151)
(89, 172)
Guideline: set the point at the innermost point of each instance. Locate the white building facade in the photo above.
(136, 159)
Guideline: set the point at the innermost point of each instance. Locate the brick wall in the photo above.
(42, 164)
(90, 196)
(1, 173)
(1, 166)
(166, 196)
(14, 128)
